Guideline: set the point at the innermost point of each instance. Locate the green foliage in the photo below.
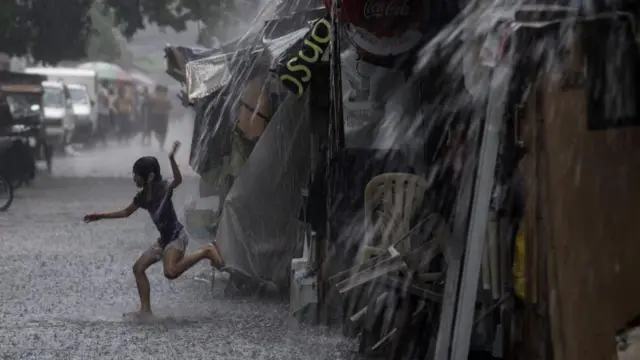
(47, 30)
(102, 44)
(55, 30)
(133, 14)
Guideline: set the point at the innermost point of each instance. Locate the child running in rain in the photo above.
(155, 196)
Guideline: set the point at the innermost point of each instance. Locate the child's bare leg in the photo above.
(175, 262)
(147, 259)
(216, 256)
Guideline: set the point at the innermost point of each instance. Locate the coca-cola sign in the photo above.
(374, 9)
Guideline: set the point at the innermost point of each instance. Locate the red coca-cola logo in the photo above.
(374, 9)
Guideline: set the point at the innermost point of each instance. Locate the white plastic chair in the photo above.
(390, 202)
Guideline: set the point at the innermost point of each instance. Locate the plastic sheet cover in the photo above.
(259, 182)
(259, 232)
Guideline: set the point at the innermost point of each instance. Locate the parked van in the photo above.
(58, 117)
(68, 76)
(81, 106)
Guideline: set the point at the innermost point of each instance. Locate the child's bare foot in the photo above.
(213, 254)
(144, 315)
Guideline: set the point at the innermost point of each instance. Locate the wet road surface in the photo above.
(64, 284)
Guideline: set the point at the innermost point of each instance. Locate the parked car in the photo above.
(85, 77)
(59, 119)
(81, 105)
(21, 126)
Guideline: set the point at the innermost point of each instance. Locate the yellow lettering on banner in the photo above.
(317, 51)
(319, 39)
(316, 47)
(293, 68)
(294, 81)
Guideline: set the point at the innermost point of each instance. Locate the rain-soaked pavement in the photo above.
(64, 284)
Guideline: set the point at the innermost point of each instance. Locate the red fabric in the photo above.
(383, 18)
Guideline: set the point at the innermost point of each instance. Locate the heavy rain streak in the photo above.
(319, 179)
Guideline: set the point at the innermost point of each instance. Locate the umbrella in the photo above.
(106, 70)
(142, 78)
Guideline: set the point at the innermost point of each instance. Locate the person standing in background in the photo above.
(145, 118)
(124, 111)
(104, 111)
(112, 108)
(160, 108)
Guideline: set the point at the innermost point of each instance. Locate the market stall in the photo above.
(258, 172)
(414, 166)
(560, 131)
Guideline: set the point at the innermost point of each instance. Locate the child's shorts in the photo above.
(179, 243)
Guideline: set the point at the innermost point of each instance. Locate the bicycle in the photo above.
(6, 193)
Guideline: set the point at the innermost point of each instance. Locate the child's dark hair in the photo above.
(147, 165)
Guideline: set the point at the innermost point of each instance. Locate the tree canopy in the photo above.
(48, 31)
(105, 43)
(214, 15)
(52, 31)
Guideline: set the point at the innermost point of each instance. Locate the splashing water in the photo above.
(439, 115)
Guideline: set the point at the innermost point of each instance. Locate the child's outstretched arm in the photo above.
(177, 176)
(126, 212)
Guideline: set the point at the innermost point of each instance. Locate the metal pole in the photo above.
(452, 281)
(337, 117)
(485, 180)
(335, 144)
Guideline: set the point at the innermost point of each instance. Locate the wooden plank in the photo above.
(385, 340)
(394, 331)
(426, 251)
(22, 88)
(342, 275)
(455, 249)
(403, 338)
(410, 288)
(590, 223)
(359, 316)
(430, 277)
(370, 274)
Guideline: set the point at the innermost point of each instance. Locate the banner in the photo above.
(380, 37)
(295, 66)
